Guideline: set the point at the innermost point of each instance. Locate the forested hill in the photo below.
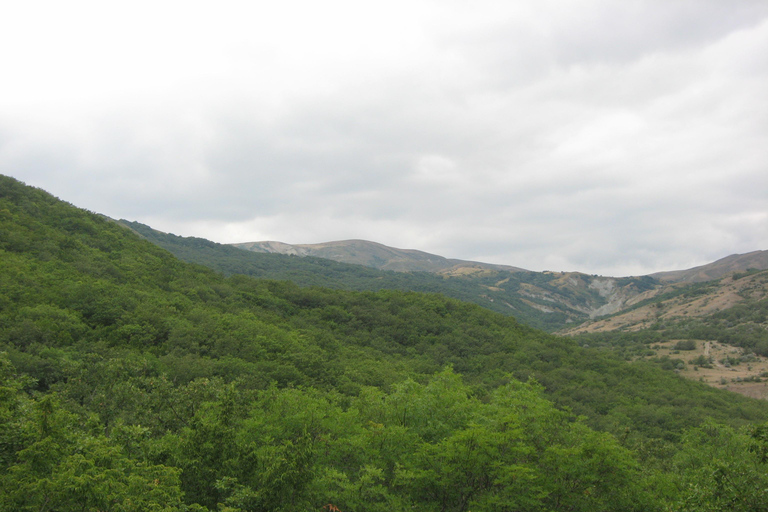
(130, 380)
(545, 300)
(315, 271)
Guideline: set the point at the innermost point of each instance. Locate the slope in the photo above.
(545, 300)
(757, 260)
(374, 255)
(82, 280)
(716, 331)
(142, 382)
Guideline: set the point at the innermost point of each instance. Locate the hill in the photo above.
(720, 324)
(375, 255)
(131, 380)
(545, 300)
(559, 299)
(683, 302)
(757, 260)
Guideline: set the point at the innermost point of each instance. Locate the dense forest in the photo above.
(130, 380)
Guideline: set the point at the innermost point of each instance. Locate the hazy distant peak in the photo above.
(373, 254)
(757, 260)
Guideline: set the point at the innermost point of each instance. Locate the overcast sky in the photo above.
(609, 137)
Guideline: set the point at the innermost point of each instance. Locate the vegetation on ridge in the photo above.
(133, 381)
(545, 300)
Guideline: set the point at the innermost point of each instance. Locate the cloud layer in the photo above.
(608, 137)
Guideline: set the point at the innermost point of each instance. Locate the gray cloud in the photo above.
(613, 138)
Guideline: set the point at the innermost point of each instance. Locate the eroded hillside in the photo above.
(678, 302)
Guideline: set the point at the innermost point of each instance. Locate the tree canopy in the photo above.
(130, 380)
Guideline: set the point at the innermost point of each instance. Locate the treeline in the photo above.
(133, 381)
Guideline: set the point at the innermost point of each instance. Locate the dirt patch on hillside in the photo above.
(731, 368)
(462, 270)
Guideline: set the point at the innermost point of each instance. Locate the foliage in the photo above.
(133, 381)
(685, 345)
(720, 469)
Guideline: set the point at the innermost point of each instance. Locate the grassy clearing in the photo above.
(730, 367)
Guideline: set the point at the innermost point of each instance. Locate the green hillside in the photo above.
(130, 380)
(545, 300)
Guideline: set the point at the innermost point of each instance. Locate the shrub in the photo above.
(685, 345)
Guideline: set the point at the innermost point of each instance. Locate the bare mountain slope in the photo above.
(375, 255)
(757, 260)
(714, 332)
(680, 302)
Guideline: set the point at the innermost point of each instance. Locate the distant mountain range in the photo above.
(375, 255)
(548, 300)
(382, 257)
(720, 309)
(757, 260)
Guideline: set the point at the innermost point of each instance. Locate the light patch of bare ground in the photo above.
(743, 378)
(538, 306)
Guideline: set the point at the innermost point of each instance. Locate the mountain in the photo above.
(375, 255)
(734, 263)
(714, 331)
(599, 311)
(78, 283)
(683, 301)
(566, 297)
(711, 307)
(131, 380)
(546, 300)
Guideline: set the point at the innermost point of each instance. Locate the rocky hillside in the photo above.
(714, 332)
(573, 295)
(567, 297)
(681, 302)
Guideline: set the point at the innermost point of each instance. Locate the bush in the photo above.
(704, 362)
(685, 345)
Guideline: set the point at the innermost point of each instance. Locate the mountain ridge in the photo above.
(373, 254)
(757, 260)
(553, 301)
(546, 300)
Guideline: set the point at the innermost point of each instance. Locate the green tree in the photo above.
(721, 469)
(53, 460)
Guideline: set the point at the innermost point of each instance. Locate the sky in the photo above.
(608, 137)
